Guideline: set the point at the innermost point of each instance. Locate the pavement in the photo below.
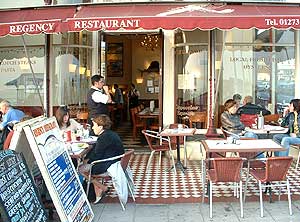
(277, 211)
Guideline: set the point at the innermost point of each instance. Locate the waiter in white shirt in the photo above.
(98, 97)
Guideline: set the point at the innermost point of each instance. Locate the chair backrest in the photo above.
(126, 158)
(271, 118)
(152, 135)
(82, 115)
(133, 112)
(227, 133)
(198, 117)
(228, 169)
(277, 168)
(248, 119)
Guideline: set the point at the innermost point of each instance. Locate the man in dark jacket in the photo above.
(250, 108)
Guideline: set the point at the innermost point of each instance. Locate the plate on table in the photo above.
(78, 146)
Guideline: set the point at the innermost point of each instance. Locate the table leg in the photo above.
(185, 152)
(178, 163)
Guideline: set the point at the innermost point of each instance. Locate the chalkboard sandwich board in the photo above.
(19, 199)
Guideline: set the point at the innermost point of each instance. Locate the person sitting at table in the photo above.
(250, 108)
(108, 145)
(231, 121)
(291, 119)
(64, 121)
(10, 116)
(237, 98)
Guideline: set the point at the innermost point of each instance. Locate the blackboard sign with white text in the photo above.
(19, 200)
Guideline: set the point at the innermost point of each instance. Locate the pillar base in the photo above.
(212, 132)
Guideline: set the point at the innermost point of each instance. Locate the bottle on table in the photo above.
(260, 121)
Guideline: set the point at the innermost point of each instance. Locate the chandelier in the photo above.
(150, 42)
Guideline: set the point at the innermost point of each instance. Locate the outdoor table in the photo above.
(261, 145)
(178, 133)
(146, 114)
(268, 130)
(78, 149)
(219, 146)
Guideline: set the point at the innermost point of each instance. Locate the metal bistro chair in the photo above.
(162, 144)
(275, 171)
(125, 158)
(297, 147)
(225, 170)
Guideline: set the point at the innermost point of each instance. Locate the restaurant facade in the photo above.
(206, 52)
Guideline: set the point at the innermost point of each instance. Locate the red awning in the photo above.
(147, 17)
(184, 16)
(34, 21)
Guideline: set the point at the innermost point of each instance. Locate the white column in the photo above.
(95, 54)
(169, 78)
(297, 63)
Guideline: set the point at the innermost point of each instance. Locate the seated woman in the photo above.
(291, 119)
(231, 120)
(108, 145)
(64, 121)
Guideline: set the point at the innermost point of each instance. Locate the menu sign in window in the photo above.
(19, 200)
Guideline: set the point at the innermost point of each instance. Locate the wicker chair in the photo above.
(158, 144)
(125, 158)
(198, 117)
(136, 122)
(297, 147)
(272, 118)
(82, 117)
(275, 171)
(225, 170)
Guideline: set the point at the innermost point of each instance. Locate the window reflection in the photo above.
(192, 80)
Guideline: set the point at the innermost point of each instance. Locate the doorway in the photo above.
(132, 58)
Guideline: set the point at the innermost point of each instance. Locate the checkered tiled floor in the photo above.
(161, 186)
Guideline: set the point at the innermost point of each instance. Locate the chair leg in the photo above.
(122, 205)
(247, 179)
(279, 190)
(203, 178)
(241, 199)
(261, 200)
(149, 161)
(298, 158)
(173, 162)
(210, 199)
(159, 163)
(131, 191)
(289, 196)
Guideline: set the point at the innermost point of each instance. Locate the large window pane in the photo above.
(71, 78)
(264, 70)
(192, 80)
(17, 83)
